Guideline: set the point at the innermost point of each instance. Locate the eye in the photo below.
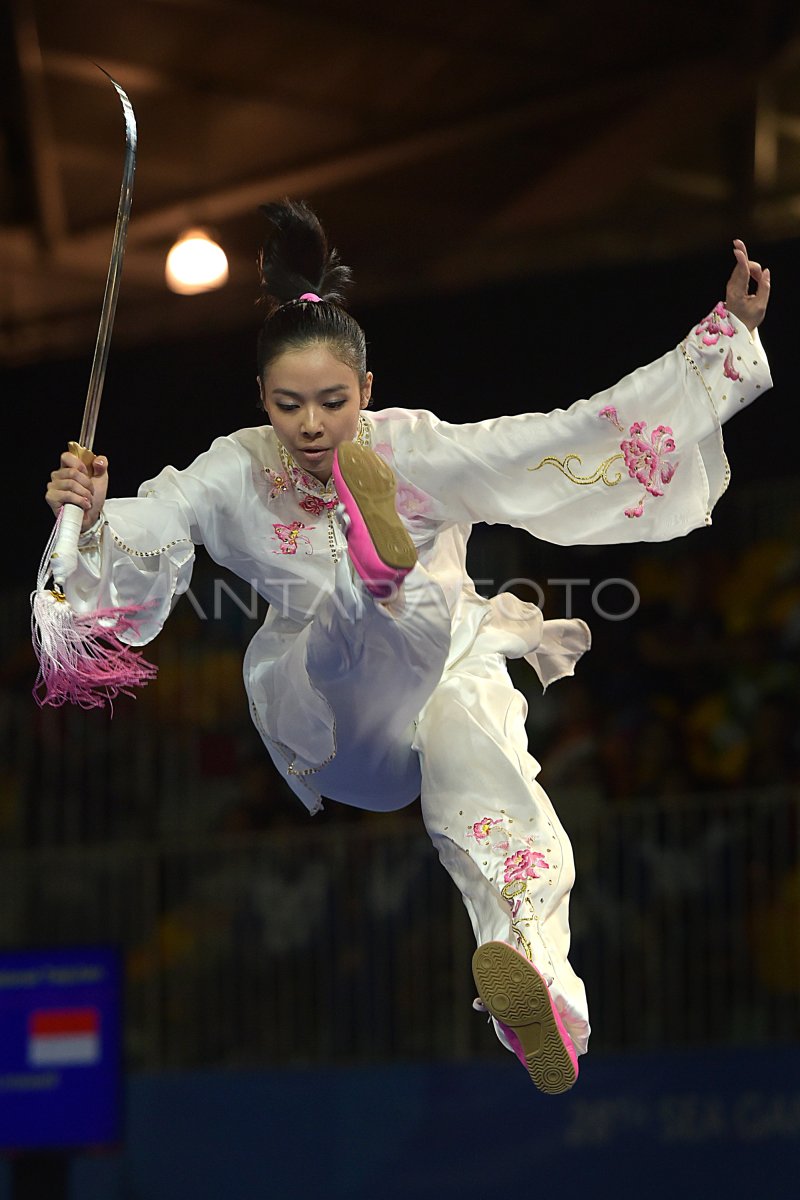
(285, 407)
(334, 404)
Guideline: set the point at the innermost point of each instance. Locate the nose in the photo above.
(311, 425)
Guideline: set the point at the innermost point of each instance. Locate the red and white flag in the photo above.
(64, 1037)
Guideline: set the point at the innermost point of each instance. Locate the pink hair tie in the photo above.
(311, 296)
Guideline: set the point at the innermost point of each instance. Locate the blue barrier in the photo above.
(637, 1126)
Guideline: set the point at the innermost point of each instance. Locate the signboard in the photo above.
(60, 1048)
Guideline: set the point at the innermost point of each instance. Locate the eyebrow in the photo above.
(339, 387)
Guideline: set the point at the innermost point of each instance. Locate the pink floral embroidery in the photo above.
(482, 828)
(645, 456)
(279, 482)
(306, 480)
(409, 500)
(728, 369)
(523, 865)
(714, 324)
(645, 459)
(519, 867)
(609, 413)
(290, 537)
(316, 505)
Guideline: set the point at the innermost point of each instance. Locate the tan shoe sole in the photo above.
(515, 994)
(373, 487)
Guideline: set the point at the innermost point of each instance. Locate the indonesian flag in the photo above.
(64, 1037)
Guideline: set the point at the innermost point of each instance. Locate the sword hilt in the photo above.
(64, 555)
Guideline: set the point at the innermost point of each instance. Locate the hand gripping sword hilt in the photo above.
(64, 555)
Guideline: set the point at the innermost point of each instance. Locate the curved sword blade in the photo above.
(100, 360)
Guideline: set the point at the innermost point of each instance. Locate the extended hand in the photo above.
(748, 306)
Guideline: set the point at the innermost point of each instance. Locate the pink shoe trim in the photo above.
(379, 578)
(569, 1045)
(516, 1045)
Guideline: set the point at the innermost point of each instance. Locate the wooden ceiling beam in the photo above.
(696, 185)
(779, 215)
(51, 209)
(49, 335)
(788, 126)
(624, 150)
(765, 139)
(21, 252)
(359, 164)
(139, 80)
(410, 29)
(87, 253)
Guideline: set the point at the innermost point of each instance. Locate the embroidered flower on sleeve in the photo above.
(524, 864)
(715, 324)
(609, 413)
(292, 536)
(645, 457)
(728, 369)
(411, 502)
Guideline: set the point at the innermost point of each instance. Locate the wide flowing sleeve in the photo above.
(642, 461)
(141, 551)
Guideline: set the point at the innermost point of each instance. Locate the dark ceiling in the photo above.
(445, 144)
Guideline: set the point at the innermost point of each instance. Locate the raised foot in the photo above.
(517, 996)
(377, 541)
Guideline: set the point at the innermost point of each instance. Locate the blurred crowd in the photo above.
(697, 691)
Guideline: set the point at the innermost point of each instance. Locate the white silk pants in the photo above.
(407, 723)
(495, 830)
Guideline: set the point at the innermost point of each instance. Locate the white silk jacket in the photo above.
(641, 461)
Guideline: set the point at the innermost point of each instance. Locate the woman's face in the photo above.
(313, 401)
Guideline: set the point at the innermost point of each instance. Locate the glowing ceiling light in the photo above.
(196, 264)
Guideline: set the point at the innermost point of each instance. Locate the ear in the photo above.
(366, 391)
(261, 391)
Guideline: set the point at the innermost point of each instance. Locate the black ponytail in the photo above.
(296, 259)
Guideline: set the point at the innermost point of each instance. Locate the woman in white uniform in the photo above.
(373, 692)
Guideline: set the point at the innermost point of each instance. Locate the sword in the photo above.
(64, 555)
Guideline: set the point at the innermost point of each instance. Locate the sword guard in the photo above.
(86, 456)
